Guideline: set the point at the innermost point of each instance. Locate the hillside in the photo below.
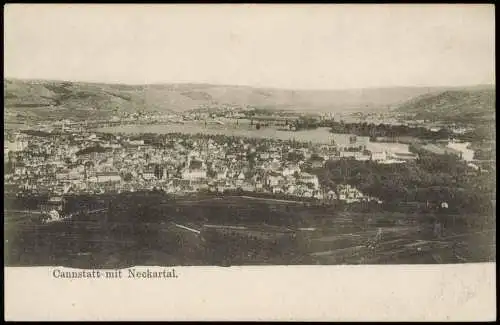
(473, 105)
(59, 99)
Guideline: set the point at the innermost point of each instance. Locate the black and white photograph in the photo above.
(248, 135)
(229, 143)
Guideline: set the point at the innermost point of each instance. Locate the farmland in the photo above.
(145, 234)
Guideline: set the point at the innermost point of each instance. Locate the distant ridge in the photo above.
(474, 104)
(57, 99)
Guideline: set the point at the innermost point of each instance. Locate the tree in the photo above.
(211, 173)
(295, 156)
(127, 177)
(158, 172)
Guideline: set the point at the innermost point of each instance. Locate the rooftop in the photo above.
(107, 174)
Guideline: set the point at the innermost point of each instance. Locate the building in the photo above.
(221, 173)
(154, 171)
(362, 156)
(104, 177)
(53, 203)
(136, 142)
(317, 161)
(265, 120)
(331, 195)
(62, 175)
(349, 142)
(348, 154)
(348, 193)
(149, 174)
(462, 147)
(404, 156)
(273, 179)
(20, 169)
(391, 161)
(196, 170)
(291, 170)
(379, 156)
(6, 149)
(307, 178)
(17, 144)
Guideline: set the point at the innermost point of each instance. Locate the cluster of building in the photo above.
(75, 160)
(86, 162)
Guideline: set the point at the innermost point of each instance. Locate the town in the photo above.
(175, 163)
(68, 159)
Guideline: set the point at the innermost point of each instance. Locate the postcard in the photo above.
(249, 162)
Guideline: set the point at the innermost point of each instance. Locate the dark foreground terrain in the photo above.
(167, 232)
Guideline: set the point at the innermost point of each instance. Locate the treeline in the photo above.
(481, 133)
(432, 179)
(89, 150)
(372, 130)
(485, 154)
(168, 140)
(390, 131)
(38, 133)
(260, 111)
(305, 123)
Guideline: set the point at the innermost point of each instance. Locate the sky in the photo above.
(282, 46)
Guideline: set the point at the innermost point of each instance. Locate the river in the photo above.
(317, 136)
(320, 135)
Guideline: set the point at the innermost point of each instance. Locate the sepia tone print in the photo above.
(334, 135)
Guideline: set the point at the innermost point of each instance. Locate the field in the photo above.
(149, 234)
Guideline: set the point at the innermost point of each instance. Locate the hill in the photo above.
(25, 99)
(472, 105)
